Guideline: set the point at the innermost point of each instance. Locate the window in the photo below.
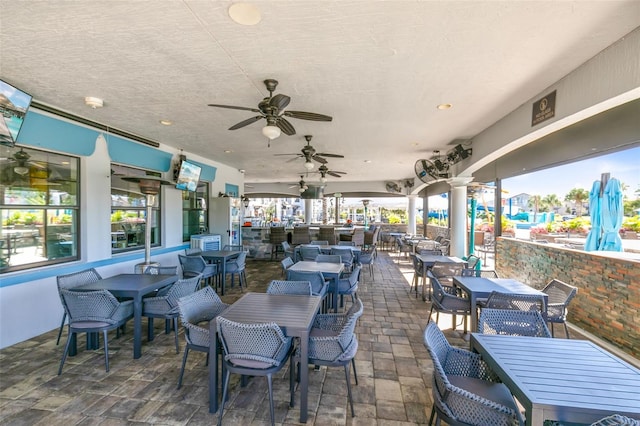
(195, 219)
(128, 211)
(39, 208)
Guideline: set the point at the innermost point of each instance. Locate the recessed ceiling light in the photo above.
(93, 102)
(444, 106)
(166, 122)
(244, 14)
(227, 151)
(367, 161)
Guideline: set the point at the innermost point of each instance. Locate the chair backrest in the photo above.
(417, 264)
(346, 254)
(329, 258)
(301, 235)
(346, 243)
(76, 279)
(327, 233)
(233, 247)
(429, 252)
(99, 305)
(309, 253)
(181, 288)
(315, 278)
(199, 307)
(190, 251)
(241, 260)
(277, 235)
(161, 270)
(518, 302)
(286, 246)
(192, 264)
(257, 346)
(485, 273)
(320, 242)
(512, 322)
(440, 291)
(446, 269)
(290, 287)
(616, 420)
(354, 277)
(357, 238)
(473, 262)
(559, 292)
(286, 263)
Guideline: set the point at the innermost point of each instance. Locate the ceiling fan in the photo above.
(21, 163)
(309, 153)
(324, 171)
(272, 109)
(302, 185)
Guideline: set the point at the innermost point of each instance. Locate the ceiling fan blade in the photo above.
(245, 122)
(334, 174)
(285, 126)
(297, 155)
(280, 101)
(234, 107)
(324, 154)
(293, 159)
(307, 116)
(319, 159)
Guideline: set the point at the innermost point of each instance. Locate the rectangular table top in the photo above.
(219, 254)
(430, 259)
(138, 283)
(482, 287)
(311, 266)
(562, 379)
(293, 313)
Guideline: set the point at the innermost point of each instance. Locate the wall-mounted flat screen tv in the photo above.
(188, 176)
(14, 104)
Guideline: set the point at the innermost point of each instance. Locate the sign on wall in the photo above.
(544, 109)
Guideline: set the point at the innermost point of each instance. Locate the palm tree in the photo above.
(578, 196)
(552, 202)
(534, 202)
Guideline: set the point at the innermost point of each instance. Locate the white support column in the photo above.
(279, 208)
(411, 211)
(458, 216)
(308, 211)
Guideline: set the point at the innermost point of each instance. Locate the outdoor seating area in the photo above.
(389, 370)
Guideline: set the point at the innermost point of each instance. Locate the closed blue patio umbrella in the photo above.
(612, 214)
(595, 211)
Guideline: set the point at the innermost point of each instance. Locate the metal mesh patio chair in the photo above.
(559, 295)
(512, 322)
(444, 272)
(444, 298)
(196, 265)
(93, 312)
(277, 235)
(368, 258)
(320, 242)
(288, 250)
(519, 302)
(348, 284)
(417, 273)
(465, 390)
(237, 266)
(319, 286)
(286, 263)
(308, 253)
(403, 248)
(166, 305)
(333, 343)
(346, 255)
(290, 287)
(253, 350)
(485, 273)
(233, 247)
(616, 420)
(192, 251)
(329, 258)
(473, 262)
(68, 281)
(196, 310)
(160, 270)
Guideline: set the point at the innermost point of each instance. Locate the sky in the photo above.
(623, 165)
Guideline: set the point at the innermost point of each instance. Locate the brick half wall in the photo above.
(608, 300)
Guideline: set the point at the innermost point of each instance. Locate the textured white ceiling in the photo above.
(379, 68)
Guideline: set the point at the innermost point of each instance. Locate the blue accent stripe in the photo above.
(208, 173)
(231, 190)
(67, 268)
(46, 132)
(131, 153)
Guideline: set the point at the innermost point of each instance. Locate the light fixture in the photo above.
(93, 102)
(271, 132)
(21, 170)
(166, 122)
(245, 201)
(323, 179)
(244, 14)
(308, 165)
(444, 106)
(365, 202)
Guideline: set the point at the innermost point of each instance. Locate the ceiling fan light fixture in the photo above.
(21, 170)
(308, 165)
(323, 179)
(271, 132)
(94, 103)
(244, 14)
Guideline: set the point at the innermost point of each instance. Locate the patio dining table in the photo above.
(294, 314)
(134, 286)
(563, 380)
(326, 249)
(220, 257)
(330, 271)
(480, 288)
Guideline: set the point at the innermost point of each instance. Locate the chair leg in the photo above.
(346, 373)
(224, 397)
(433, 413)
(355, 374)
(271, 408)
(66, 351)
(292, 383)
(175, 330)
(566, 330)
(106, 350)
(552, 332)
(64, 317)
(184, 362)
